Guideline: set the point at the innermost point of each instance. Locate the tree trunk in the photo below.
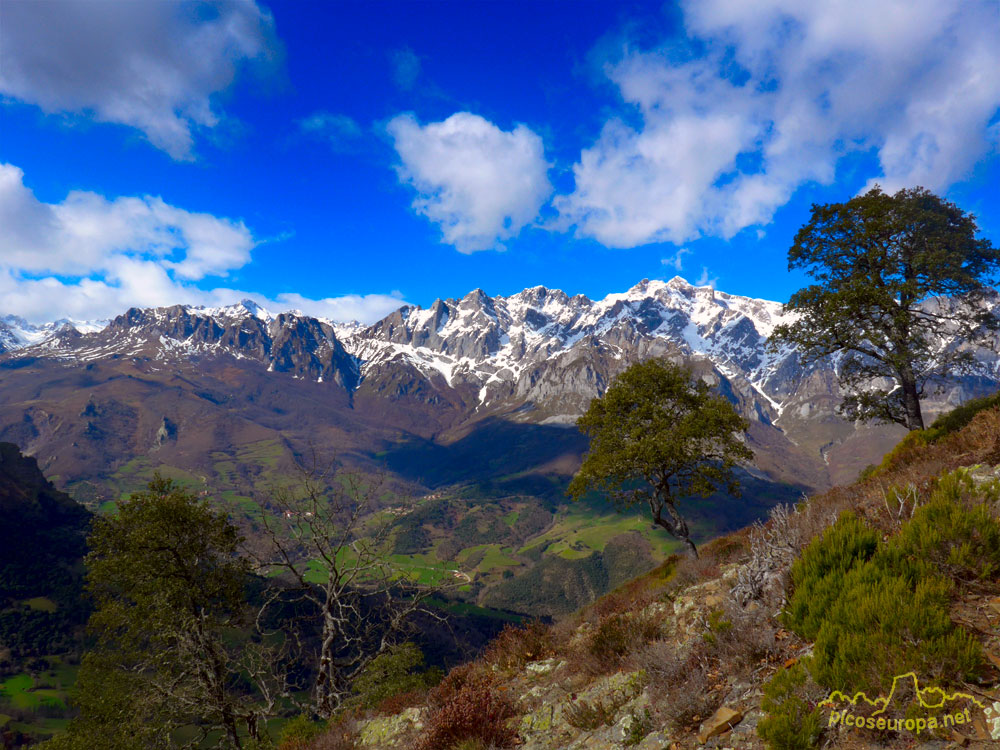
(675, 525)
(911, 401)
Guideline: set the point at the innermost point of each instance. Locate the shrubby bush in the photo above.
(619, 634)
(818, 575)
(886, 623)
(397, 671)
(955, 530)
(876, 610)
(298, 733)
(792, 719)
(516, 645)
(469, 707)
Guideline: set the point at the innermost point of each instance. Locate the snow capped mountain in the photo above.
(497, 346)
(17, 333)
(538, 356)
(287, 342)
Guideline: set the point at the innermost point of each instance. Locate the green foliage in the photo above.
(167, 582)
(885, 623)
(878, 610)
(960, 416)
(955, 529)
(396, 671)
(717, 625)
(299, 732)
(791, 719)
(878, 260)
(818, 574)
(114, 711)
(657, 434)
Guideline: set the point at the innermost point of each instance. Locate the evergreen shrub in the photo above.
(792, 720)
(818, 575)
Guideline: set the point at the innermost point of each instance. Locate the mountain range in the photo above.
(536, 357)
(472, 398)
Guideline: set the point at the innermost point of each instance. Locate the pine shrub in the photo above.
(886, 623)
(955, 530)
(879, 610)
(792, 719)
(818, 575)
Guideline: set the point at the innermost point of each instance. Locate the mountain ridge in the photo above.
(537, 356)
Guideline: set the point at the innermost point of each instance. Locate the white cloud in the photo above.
(783, 91)
(366, 308)
(705, 279)
(87, 233)
(153, 65)
(88, 257)
(405, 68)
(675, 260)
(479, 183)
(338, 129)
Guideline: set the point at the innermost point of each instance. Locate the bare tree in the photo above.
(326, 544)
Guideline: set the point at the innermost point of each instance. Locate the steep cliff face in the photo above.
(42, 543)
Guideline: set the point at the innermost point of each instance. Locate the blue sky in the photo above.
(344, 158)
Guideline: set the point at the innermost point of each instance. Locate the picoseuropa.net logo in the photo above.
(933, 709)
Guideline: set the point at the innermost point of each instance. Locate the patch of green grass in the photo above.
(110, 507)
(464, 608)
(42, 604)
(137, 473)
(22, 693)
(424, 568)
(493, 556)
(264, 453)
(225, 471)
(511, 518)
(581, 530)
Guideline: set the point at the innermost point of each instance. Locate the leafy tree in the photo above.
(657, 435)
(895, 274)
(168, 584)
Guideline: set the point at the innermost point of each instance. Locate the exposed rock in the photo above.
(167, 431)
(722, 720)
(392, 731)
(544, 667)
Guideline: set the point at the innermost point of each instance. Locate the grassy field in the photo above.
(28, 692)
(580, 530)
(42, 604)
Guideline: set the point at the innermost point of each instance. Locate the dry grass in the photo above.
(516, 646)
(681, 693)
(917, 467)
(395, 704)
(341, 735)
(470, 706)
